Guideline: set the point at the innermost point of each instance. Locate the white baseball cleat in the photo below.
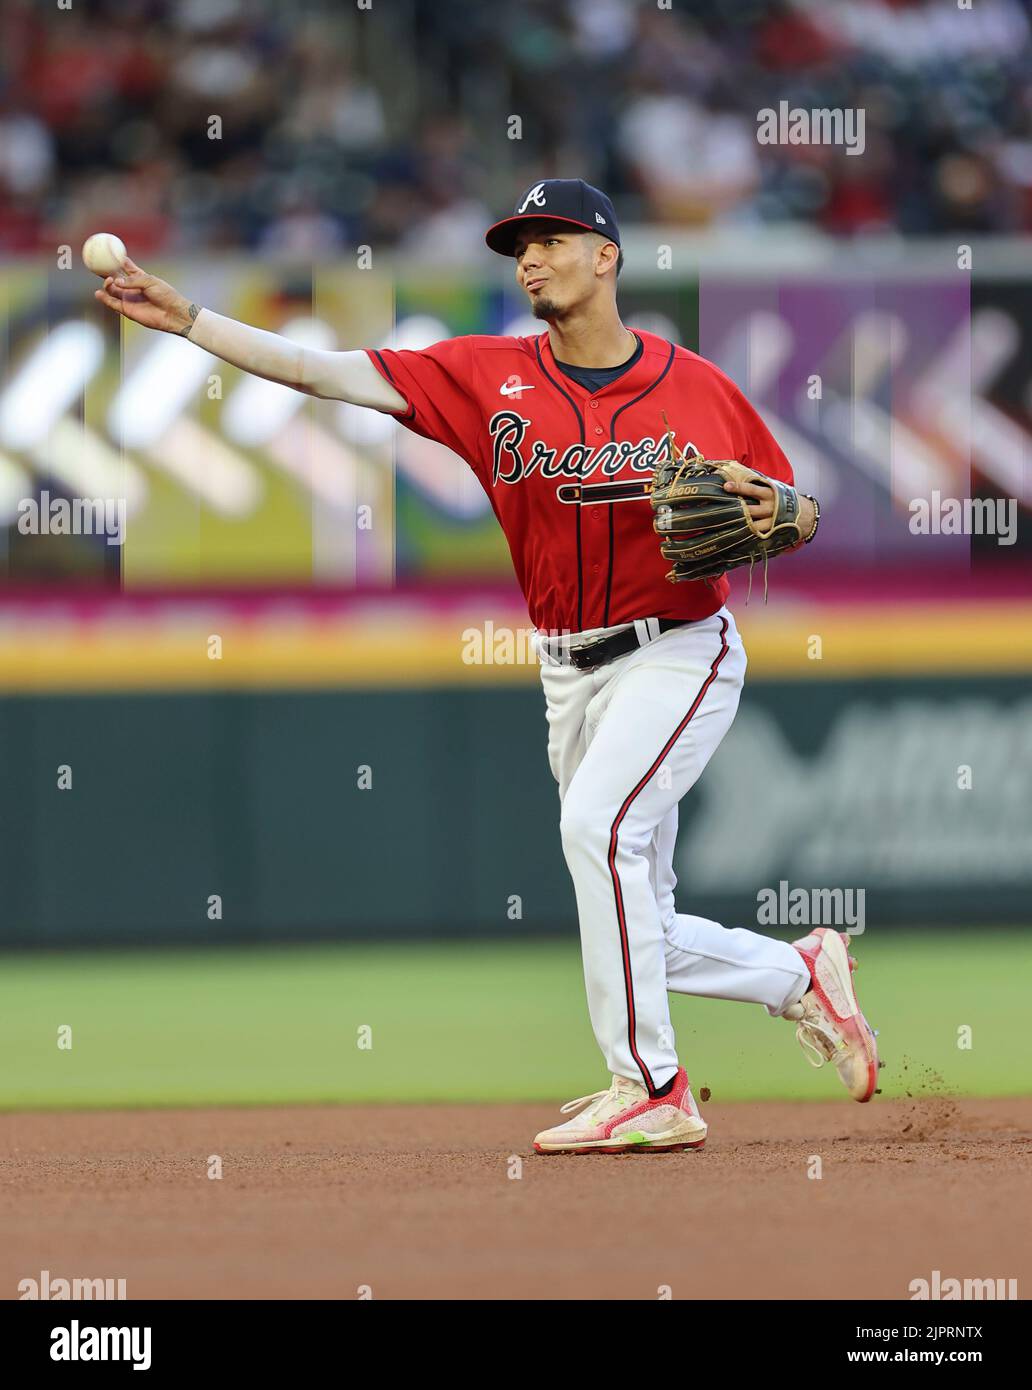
(627, 1119)
(830, 1026)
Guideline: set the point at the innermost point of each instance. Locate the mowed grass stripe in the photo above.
(466, 1022)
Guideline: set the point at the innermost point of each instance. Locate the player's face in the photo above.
(555, 266)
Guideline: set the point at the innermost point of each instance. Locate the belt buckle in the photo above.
(587, 651)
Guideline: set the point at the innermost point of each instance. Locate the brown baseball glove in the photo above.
(706, 530)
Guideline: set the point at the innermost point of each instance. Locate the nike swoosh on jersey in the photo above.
(506, 390)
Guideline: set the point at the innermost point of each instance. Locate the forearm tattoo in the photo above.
(193, 311)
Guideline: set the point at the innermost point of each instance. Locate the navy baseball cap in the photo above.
(564, 200)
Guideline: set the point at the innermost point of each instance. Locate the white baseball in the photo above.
(103, 253)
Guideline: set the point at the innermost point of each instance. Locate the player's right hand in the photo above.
(145, 299)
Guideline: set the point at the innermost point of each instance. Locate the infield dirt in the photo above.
(451, 1202)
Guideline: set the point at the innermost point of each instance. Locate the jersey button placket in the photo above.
(597, 514)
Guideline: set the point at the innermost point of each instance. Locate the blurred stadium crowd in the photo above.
(388, 125)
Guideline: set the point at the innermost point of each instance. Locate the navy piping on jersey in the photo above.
(410, 414)
(612, 436)
(614, 832)
(577, 511)
(595, 379)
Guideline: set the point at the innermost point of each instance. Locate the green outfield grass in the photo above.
(466, 1022)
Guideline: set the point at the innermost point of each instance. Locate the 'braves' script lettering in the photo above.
(511, 465)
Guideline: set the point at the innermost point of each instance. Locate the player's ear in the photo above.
(606, 253)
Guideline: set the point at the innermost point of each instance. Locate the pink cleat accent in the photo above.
(627, 1119)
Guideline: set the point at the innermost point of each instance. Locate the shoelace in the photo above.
(589, 1100)
(811, 1035)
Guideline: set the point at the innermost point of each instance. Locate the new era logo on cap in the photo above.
(565, 200)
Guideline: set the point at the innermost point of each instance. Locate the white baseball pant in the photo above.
(625, 743)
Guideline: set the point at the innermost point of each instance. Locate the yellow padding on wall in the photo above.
(303, 653)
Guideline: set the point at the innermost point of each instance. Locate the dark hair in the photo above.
(619, 264)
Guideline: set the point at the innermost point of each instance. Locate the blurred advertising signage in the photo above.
(898, 787)
(888, 400)
(907, 407)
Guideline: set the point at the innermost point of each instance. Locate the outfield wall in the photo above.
(343, 781)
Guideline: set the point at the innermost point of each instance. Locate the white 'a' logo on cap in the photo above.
(535, 196)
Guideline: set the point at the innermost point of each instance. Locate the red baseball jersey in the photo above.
(565, 467)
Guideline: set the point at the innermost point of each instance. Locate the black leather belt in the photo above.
(605, 649)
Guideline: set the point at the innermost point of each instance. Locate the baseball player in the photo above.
(567, 431)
